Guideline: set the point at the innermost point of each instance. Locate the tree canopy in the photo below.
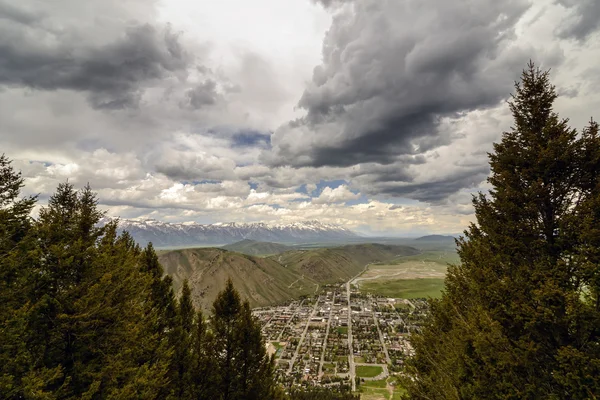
(520, 316)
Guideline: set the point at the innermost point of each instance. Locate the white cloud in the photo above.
(338, 195)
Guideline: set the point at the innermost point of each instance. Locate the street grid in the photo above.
(320, 340)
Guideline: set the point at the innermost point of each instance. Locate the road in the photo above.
(325, 340)
(312, 314)
(289, 321)
(385, 350)
(352, 369)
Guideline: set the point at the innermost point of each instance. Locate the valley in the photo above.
(342, 337)
(275, 279)
(330, 315)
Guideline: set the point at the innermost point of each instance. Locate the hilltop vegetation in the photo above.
(254, 248)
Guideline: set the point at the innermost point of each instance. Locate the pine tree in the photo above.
(200, 374)
(181, 339)
(84, 330)
(519, 318)
(15, 245)
(243, 370)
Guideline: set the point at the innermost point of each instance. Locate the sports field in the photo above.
(368, 371)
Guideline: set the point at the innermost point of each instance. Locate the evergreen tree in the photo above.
(15, 245)
(181, 336)
(243, 370)
(84, 332)
(319, 393)
(520, 317)
(200, 374)
(161, 311)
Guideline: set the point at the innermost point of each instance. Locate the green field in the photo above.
(439, 256)
(404, 288)
(368, 371)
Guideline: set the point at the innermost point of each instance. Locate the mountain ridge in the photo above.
(256, 248)
(436, 238)
(270, 280)
(165, 234)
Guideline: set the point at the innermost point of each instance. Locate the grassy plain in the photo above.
(405, 288)
(368, 371)
(410, 277)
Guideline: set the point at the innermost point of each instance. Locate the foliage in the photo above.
(316, 393)
(520, 317)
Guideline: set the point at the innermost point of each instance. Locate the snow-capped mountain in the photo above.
(163, 234)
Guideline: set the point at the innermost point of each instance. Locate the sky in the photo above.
(376, 115)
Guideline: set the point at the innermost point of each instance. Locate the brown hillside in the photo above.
(262, 281)
(338, 264)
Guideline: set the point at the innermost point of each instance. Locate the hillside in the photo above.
(254, 248)
(262, 281)
(271, 280)
(338, 264)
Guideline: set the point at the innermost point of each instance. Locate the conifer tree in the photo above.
(84, 332)
(520, 317)
(200, 374)
(243, 370)
(181, 337)
(15, 245)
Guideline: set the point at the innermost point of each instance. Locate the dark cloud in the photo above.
(434, 191)
(392, 70)
(17, 15)
(204, 94)
(37, 55)
(583, 21)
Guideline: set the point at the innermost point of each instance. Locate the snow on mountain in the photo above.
(163, 234)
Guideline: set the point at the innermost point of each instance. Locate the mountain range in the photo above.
(164, 234)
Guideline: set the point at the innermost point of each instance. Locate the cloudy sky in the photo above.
(372, 114)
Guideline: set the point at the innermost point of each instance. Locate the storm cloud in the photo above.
(38, 54)
(392, 70)
(366, 113)
(583, 21)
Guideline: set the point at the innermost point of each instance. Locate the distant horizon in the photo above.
(389, 235)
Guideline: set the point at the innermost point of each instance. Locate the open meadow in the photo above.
(409, 277)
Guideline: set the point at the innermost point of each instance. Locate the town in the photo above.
(340, 336)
